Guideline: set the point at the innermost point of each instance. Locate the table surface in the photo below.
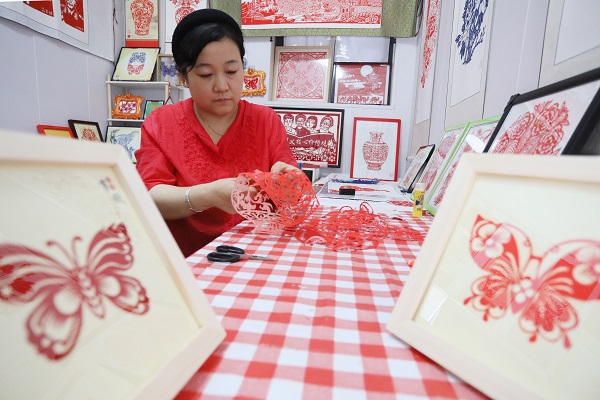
(312, 324)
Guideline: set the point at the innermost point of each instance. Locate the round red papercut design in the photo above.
(301, 75)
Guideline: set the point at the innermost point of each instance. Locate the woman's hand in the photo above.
(280, 166)
(219, 194)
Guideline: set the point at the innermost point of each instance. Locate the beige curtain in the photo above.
(399, 20)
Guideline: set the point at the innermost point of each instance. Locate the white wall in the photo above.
(515, 55)
(46, 81)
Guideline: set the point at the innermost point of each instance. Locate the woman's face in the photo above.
(217, 79)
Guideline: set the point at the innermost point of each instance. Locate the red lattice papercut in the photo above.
(350, 229)
(274, 201)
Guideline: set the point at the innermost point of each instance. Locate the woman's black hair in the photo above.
(198, 29)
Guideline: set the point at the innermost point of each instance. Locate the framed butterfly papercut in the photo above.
(505, 292)
(96, 299)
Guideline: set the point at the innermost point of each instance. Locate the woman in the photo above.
(191, 151)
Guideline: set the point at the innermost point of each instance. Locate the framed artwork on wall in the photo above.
(112, 309)
(302, 73)
(469, 51)
(126, 136)
(375, 148)
(498, 295)
(254, 83)
(475, 138)
(555, 119)
(141, 23)
(86, 130)
(314, 135)
(362, 83)
(414, 171)
(136, 64)
(60, 131)
(128, 106)
(166, 71)
(151, 105)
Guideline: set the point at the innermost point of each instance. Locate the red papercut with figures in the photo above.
(62, 291)
(542, 288)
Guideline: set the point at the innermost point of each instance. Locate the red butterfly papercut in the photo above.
(540, 288)
(53, 327)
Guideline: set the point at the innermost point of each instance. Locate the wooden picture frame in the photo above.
(128, 137)
(314, 135)
(136, 64)
(473, 140)
(141, 23)
(86, 130)
(151, 105)
(494, 269)
(375, 148)
(127, 106)
(166, 70)
(555, 119)
(362, 83)
(142, 329)
(254, 83)
(59, 131)
(417, 165)
(302, 73)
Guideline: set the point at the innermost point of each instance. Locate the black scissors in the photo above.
(232, 254)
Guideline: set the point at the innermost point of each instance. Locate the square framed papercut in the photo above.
(375, 148)
(302, 73)
(552, 120)
(136, 64)
(97, 299)
(505, 293)
(314, 135)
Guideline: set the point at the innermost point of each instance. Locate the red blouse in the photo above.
(176, 150)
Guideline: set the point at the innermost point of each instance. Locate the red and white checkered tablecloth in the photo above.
(311, 325)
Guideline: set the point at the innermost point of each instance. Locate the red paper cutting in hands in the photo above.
(274, 201)
(350, 229)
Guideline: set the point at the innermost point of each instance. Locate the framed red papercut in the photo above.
(302, 73)
(141, 23)
(555, 119)
(362, 83)
(97, 299)
(375, 148)
(128, 106)
(474, 139)
(60, 131)
(444, 148)
(254, 83)
(417, 165)
(315, 136)
(86, 130)
(505, 293)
